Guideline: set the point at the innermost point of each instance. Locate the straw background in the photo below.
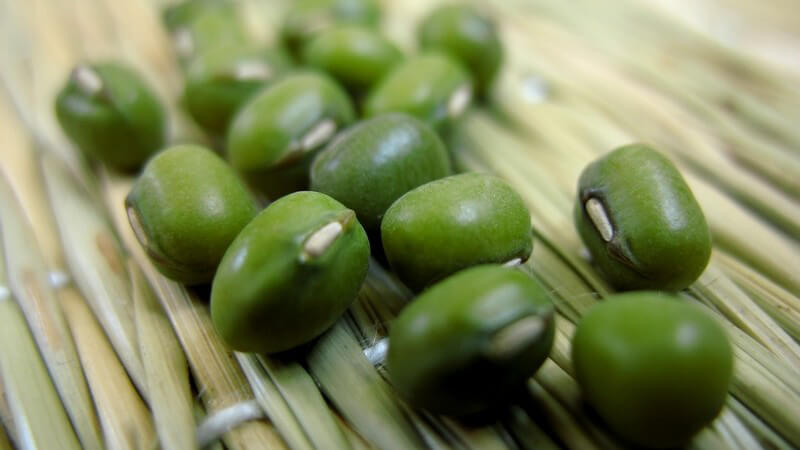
(98, 350)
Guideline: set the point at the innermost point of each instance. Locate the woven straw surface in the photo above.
(99, 350)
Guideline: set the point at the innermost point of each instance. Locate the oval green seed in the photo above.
(432, 87)
(290, 274)
(308, 17)
(111, 115)
(640, 221)
(221, 80)
(656, 369)
(186, 208)
(273, 138)
(471, 340)
(453, 223)
(373, 163)
(466, 35)
(184, 13)
(356, 56)
(199, 26)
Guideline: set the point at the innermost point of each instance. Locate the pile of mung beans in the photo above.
(341, 134)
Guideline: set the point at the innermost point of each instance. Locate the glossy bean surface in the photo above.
(453, 223)
(467, 35)
(358, 57)
(641, 222)
(186, 208)
(112, 115)
(469, 341)
(432, 87)
(221, 80)
(378, 160)
(656, 368)
(273, 138)
(290, 274)
(306, 18)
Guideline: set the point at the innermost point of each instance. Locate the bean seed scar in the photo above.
(184, 43)
(251, 70)
(315, 137)
(321, 240)
(513, 262)
(87, 80)
(511, 339)
(459, 100)
(597, 212)
(318, 135)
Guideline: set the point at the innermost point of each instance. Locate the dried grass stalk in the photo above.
(562, 345)
(763, 433)
(556, 419)
(477, 437)
(219, 379)
(781, 305)
(28, 281)
(715, 288)
(165, 368)
(758, 387)
(6, 419)
(96, 264)
(306, 402)
(434, 433)
(527, 431)
(126, 421)
(733, 432)
(5, 444)
(358, 392)
(199, 415)
(749, 238)
(37, 415)
(356, 441)
(21, 166)
(36, 59)
(273, 404)
(566, 391)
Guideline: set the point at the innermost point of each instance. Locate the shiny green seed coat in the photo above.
(660, 236)
(432, 87)
(656, 369)
(120, 125)
(453, 223)
(266, 138)
(308, 17)
(186, 208)
(221, 80)
(209, 25)
(378, 160)
(471, 340)
(184, 13)
(468, 36)
(271, 293)
(356, 56)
